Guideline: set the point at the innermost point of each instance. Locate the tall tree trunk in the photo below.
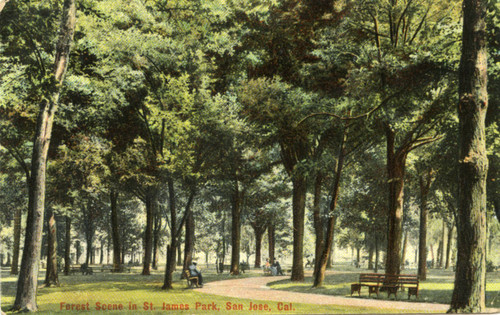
(235, 229)
(17, 242)
(370, 256)
(318, 222)
(377, 255)
(319, 275)
(67, 246)
(259, 233)
(148, 232)
(171, 253)
(51, 277)
(27, 281)
(298, 206)
(271, 241)
(115, 232)
(448, 246)
(189, 240)
(395, 170)
(425, 181)
(156, 238)
(101, 259)
(179, 254)
(470, 276)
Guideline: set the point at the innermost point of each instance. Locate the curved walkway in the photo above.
(255, 288)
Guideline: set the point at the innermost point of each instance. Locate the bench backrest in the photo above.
(386, 278)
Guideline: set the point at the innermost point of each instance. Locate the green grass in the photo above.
(436, 289)
(133, 288)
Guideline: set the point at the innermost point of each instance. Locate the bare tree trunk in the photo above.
(115, 232)
(189, 240)
(395, 170)
(271, 241)
(51, 277)
(67, 246)
(425, 181)
(470, 276)
(27, 281)
(148, 233)
(156, 238)
(318, 222)
(319, 275)
(441, 246)
(17, 241)
(235, 230)
(259, 231)
(298, 207)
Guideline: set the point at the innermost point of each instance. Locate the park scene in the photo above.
(249, 156)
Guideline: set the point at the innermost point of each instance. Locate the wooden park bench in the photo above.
(377, 282)
(191, 280)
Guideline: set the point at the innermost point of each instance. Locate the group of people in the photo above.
(275, 268)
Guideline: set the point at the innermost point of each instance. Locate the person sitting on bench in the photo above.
(277, 265)
(196, 273)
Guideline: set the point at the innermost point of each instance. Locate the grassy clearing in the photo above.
(437, 288)
(107, 288)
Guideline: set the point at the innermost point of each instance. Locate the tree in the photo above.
(470, 276)
(27, 282)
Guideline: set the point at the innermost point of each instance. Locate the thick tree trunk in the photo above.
(319, 275)
(318, 222)
(235, 230)
(425, 181)
(148, 232)
(470, 276)
(156, 238)
(395, 171)
(179, 254)
(51, 276)
(17, 242)
(171, 253)
(298, 207)
(115, 232)
(67, 247)
(259, 233)
(27, 281)
(271, 241)
(78, 251)
(189, 241)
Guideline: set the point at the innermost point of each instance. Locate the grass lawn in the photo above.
(437, 288)
(144, 291)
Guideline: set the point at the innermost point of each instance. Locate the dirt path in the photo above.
(255, 288)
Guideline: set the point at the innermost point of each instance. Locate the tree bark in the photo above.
(235, 229)
(298, 207)
(27, 281)
(441, 246)
(189, 241)
(115, 232)
(319, 275)
(156, 238)
(470, 277)
(148, 232)
(51, 276)
(318, 222)
(17, 242)
(425, 181)
(395, 169)
(67, 246)
(271, 241)
(259, 231)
